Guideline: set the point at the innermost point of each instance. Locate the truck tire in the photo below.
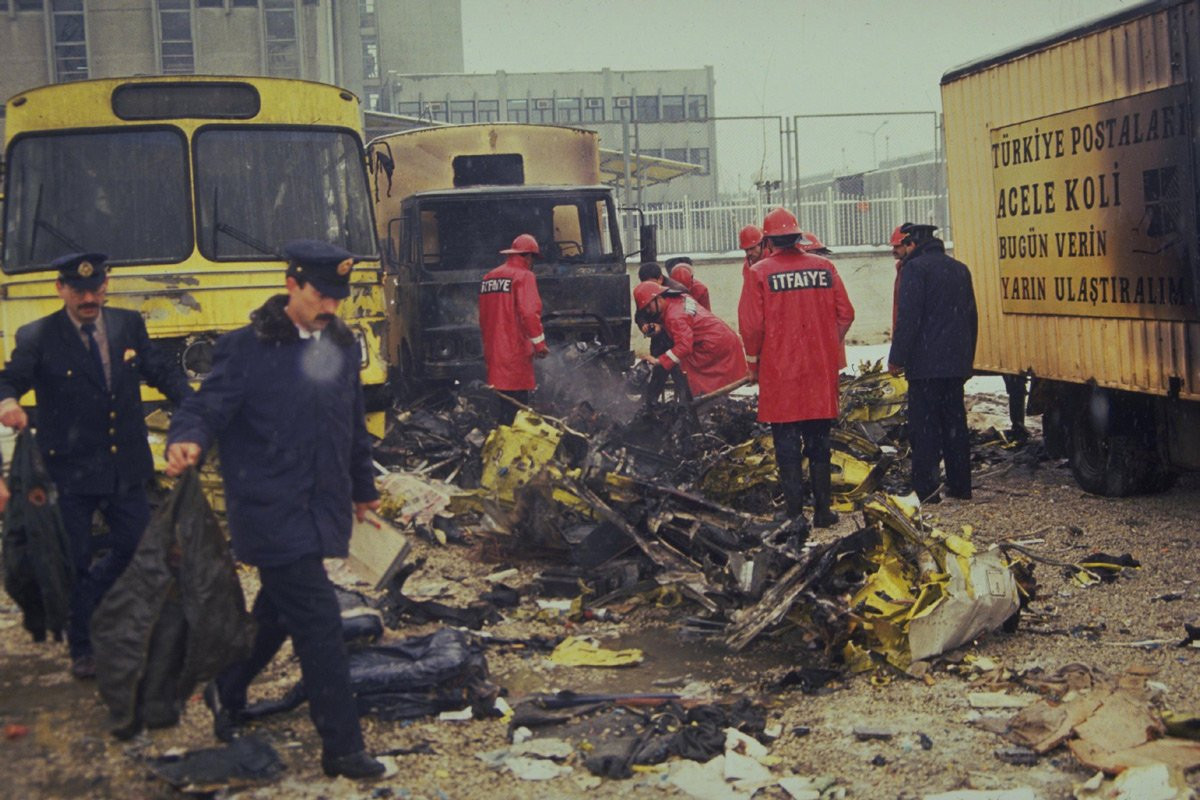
(1104, 463)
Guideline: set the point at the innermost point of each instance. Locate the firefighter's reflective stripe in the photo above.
(793, 316)
(510, 321)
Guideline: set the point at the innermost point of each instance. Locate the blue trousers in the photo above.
(127, 514)
(298, 600)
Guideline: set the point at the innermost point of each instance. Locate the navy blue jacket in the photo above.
(936, 321)
(288, 418)
(93, 440)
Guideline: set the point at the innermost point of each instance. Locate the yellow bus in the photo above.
(191, 185)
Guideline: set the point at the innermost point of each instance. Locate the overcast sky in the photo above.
(778, 57)
(769, 56)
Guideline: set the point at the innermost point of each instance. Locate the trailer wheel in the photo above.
(1104, 463)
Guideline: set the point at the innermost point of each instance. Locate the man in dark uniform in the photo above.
(285, 404)
(85, 363)
(934, 343)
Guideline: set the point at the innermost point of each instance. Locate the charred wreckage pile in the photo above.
(685, 496)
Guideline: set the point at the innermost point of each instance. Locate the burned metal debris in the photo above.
(687, 498)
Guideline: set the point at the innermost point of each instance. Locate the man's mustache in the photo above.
(326, 317)
(88, 306)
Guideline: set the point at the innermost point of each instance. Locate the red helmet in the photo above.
(646, 291)
(781, 222)
(523, 244)
(749, 236)
(898, 237)
(684, 274)
(814, 245)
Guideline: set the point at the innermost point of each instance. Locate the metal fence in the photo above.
(849, 178)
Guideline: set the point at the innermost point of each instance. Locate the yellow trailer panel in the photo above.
(1071, 194)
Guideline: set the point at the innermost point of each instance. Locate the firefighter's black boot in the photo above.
(791, 478)
(822, 487)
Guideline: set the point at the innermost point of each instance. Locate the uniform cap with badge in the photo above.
(326, 266)
(83, 272)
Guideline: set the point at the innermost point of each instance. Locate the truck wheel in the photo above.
(1103, 463)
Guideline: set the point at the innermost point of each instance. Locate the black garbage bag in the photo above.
(247, 761)
(416, 677)
(174, 619)
(37, 555)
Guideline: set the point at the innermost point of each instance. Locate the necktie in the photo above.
(89, 328)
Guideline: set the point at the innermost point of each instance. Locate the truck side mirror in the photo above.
(648, 243)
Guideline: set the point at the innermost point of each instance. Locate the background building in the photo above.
(350, 43)
(668, 111)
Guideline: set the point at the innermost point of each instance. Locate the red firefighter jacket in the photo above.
(793, 318)
(510, 318)
(707, 349)
(694, 287)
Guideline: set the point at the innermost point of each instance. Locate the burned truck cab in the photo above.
(448, 199)
(455, 236)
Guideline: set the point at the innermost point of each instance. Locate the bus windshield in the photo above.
(257, 188)
(123, 193)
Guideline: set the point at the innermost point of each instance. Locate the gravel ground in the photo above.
(68, 753)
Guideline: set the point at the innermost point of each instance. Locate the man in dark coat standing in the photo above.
(85, 363)
(285, 404)
(934, 343)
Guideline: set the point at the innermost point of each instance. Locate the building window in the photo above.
(699, 155)
(593, 109)
(366, 13)
(283, 56)
(210, 3)
(70, 41)
(672, 107)
(697, 106)
(647, 109)
(621, 107)
(409, 109)
(487, 110)
(543, 110)
(434, 110)
(29, 5)
(567, 109)
(175, 22)
(676, 153)
(373, 101)
(518, 111)
(246, 3)
(370, 58)
(462, 111)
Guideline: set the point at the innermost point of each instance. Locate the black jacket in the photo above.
(93, 440)
(288, 415)
(937, 322)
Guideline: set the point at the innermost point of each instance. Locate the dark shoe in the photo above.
(225, 719)
(936, 497)
(824, 518)
(356, 766)
(83, 667)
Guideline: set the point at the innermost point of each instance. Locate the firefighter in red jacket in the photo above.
(704, 347)
(684, 273)
(793, 321)
(510, 319)
(750, 239)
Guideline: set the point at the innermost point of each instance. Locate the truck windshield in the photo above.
(258, 188)
(468, 232)
(124, 193)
